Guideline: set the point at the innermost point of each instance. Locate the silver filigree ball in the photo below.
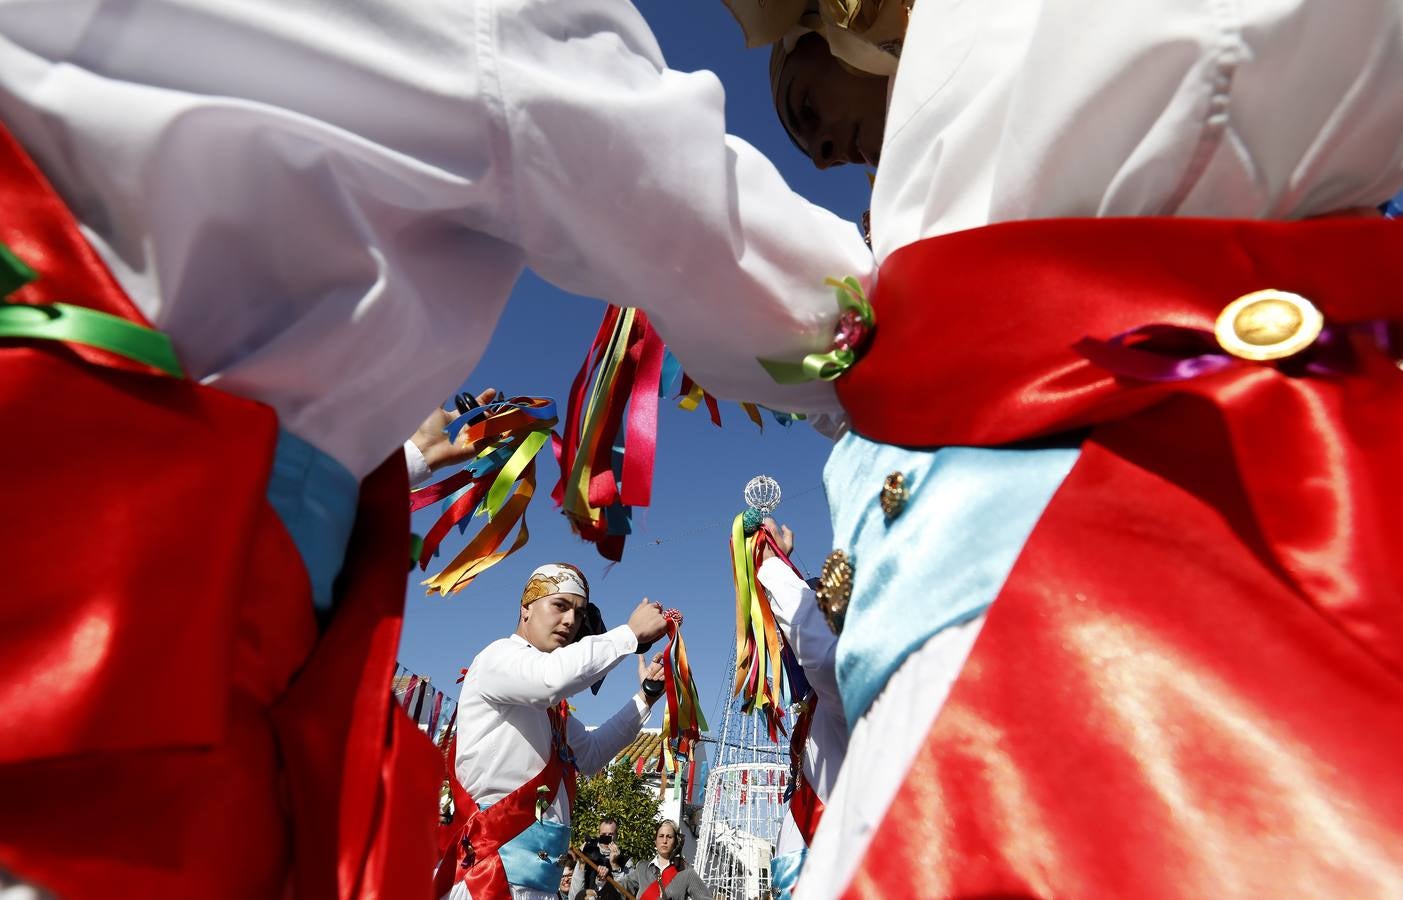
(762, 494)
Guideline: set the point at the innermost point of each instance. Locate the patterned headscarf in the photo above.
(554, 578)
(864, 35)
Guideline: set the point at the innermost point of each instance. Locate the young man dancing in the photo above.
(520, 751)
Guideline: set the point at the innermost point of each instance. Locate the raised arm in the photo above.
(594, 749)
(625, 186)
(514, 672)
(801, 622)
(799, 618)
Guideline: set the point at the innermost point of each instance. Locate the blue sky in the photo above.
(677, 554)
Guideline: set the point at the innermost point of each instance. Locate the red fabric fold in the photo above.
(275, 733)
(1198, 651)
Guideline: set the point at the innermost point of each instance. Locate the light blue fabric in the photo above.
(943, 559)
(784, 872)
(316, 498)
(521, 856)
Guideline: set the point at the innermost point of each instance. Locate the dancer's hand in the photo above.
(652, 679)
(782, 535)
(647, 622)
(432, 440)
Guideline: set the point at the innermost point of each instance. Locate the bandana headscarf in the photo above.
(864, 35)
(554, 578)
(563, 578)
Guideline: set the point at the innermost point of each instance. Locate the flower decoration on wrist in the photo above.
(851, 335)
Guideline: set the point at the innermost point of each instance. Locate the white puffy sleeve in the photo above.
(625, 186)
(801, 621)
(514, 672)
(593, 749)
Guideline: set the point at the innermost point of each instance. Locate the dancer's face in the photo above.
(551, 622)
(833, 115)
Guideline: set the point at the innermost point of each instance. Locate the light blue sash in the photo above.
(316, 498)
(521, 856)
(784, 872)
(943, 559)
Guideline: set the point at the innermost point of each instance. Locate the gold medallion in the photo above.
(1267, 325)
(835, 588)
(894, 495)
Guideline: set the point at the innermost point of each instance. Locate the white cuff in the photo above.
(773, 573)
(623, 638)
(418, 466)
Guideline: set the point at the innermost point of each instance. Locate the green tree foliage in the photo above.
(620, 793)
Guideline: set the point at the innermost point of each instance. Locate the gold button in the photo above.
(1266, 325)
(835, 589)
(894, 495)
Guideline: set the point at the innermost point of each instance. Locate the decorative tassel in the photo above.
(683, 721)
(498, 484)
(762, 679)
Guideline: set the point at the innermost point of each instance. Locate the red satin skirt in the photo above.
(173, 726)
(1191, 684)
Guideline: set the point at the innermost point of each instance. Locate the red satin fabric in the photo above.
(1192, 682)
(470, 853)
(173, 726)
(655, 890)
(805, 807)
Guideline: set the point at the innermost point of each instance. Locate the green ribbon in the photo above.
(501, 487)
(14, 274)
(80, 325)
(830, 364)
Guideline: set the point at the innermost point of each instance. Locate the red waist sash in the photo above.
(1191, 683)
(168, 705)
(475, 835)
(805, 807)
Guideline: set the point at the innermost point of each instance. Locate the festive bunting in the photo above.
(762, 676)
(498, 484)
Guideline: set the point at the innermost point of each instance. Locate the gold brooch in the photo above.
(894, 495)
(1265, 325)
(835, 588)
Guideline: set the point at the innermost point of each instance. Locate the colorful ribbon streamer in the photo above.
(606, 460)
(761, 676)
(683, 721)
(498, 484)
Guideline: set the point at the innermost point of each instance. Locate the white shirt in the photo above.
(815, 645)
(1021, 109)
(504, 734)
(325, 203)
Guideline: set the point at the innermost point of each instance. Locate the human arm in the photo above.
(627, 187)
(516, 672)
(799, 618)
(696, 888)
(594, 749)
